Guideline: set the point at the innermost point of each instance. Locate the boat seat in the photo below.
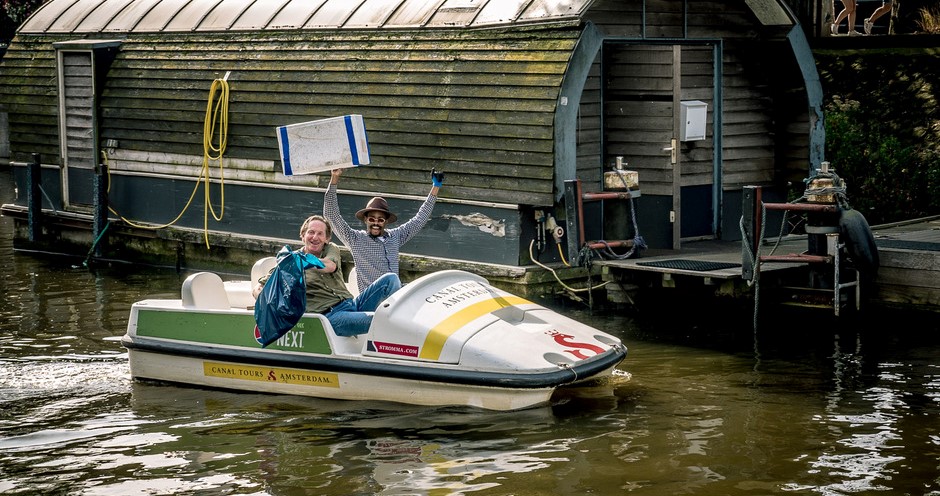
(342, 345)
(240, 292)
(351, 285)
(261, 268)
(205, 290)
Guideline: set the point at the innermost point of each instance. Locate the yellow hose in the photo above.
(217, 112)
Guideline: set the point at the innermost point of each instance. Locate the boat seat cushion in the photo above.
(351, 284)
(239, 294)
(205, 290)
(261, 268)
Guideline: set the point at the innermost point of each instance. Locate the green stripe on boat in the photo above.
(228, 329)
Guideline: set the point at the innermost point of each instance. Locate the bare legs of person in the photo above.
(880, 11)
(847, 12)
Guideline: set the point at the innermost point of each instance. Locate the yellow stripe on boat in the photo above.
(437, 336)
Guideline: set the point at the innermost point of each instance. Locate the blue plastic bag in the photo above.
(283, 300)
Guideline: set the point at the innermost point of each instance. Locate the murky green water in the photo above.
(802, 406)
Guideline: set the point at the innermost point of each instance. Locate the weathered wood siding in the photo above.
(479, 104)
(757, 112)
(588, 138)
(29, 96)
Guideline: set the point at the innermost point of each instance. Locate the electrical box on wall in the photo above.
(692, 116)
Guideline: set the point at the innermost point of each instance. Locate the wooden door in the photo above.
(644, 87)
(77, 131)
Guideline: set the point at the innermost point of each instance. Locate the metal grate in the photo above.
(696, 265)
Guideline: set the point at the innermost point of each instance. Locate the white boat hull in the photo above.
(341, 386)
(475, 346)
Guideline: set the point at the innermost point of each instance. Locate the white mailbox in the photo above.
(692, 116)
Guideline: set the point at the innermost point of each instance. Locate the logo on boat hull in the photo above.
(565, 340)
(270, 374)
(291, 339)
(393, 348)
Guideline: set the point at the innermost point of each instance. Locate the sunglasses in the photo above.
(376, 220)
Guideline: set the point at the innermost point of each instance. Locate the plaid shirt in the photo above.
(374, 256)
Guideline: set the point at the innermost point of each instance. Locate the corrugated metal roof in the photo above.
(148, 16)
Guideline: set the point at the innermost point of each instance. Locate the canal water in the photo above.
(703, 405)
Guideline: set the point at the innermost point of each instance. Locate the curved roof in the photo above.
(151, 16)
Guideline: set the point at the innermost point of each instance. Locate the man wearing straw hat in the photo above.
(375, 249)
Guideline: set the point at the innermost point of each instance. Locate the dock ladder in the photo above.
(824, 248)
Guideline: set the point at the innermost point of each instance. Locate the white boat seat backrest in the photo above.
(351, 284)
(261, 268)
(205, 290)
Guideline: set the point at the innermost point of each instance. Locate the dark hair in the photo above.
(329, 230)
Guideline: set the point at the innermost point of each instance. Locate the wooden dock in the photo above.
(908, 275)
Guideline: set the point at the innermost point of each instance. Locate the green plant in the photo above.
(882, 120)
(929, 21)
(888, 178)
(12, 14)
(19, 10)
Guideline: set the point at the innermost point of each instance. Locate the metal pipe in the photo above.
(802, 207)
(608, 195)
(624, 243)
(797, 258)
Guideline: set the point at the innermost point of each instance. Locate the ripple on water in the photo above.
(41, 390)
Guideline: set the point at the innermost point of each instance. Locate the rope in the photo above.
(638, 242)
(214, 113)
(93, 245)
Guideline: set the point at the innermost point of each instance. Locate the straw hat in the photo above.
(377, 204)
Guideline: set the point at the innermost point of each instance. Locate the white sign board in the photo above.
(326, 144)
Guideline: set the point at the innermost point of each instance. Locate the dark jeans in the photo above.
(349, 316)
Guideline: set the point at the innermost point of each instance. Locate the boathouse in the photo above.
(165, 110)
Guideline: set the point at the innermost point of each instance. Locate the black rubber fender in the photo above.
(859, 242)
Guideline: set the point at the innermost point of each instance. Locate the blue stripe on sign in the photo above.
(365, 136)
(351, 137)
(285, 151)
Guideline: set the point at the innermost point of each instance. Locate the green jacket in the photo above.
(325, 290)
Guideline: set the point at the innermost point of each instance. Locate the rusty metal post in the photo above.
(100, 221)
(750, 219)
(575, 220)
(34, 199)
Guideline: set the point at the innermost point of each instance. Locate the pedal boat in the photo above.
(448, 338)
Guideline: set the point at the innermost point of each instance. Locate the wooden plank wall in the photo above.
(765, 126)
(638, 112)
(479, 104)
(28, 94)
(588, 137)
